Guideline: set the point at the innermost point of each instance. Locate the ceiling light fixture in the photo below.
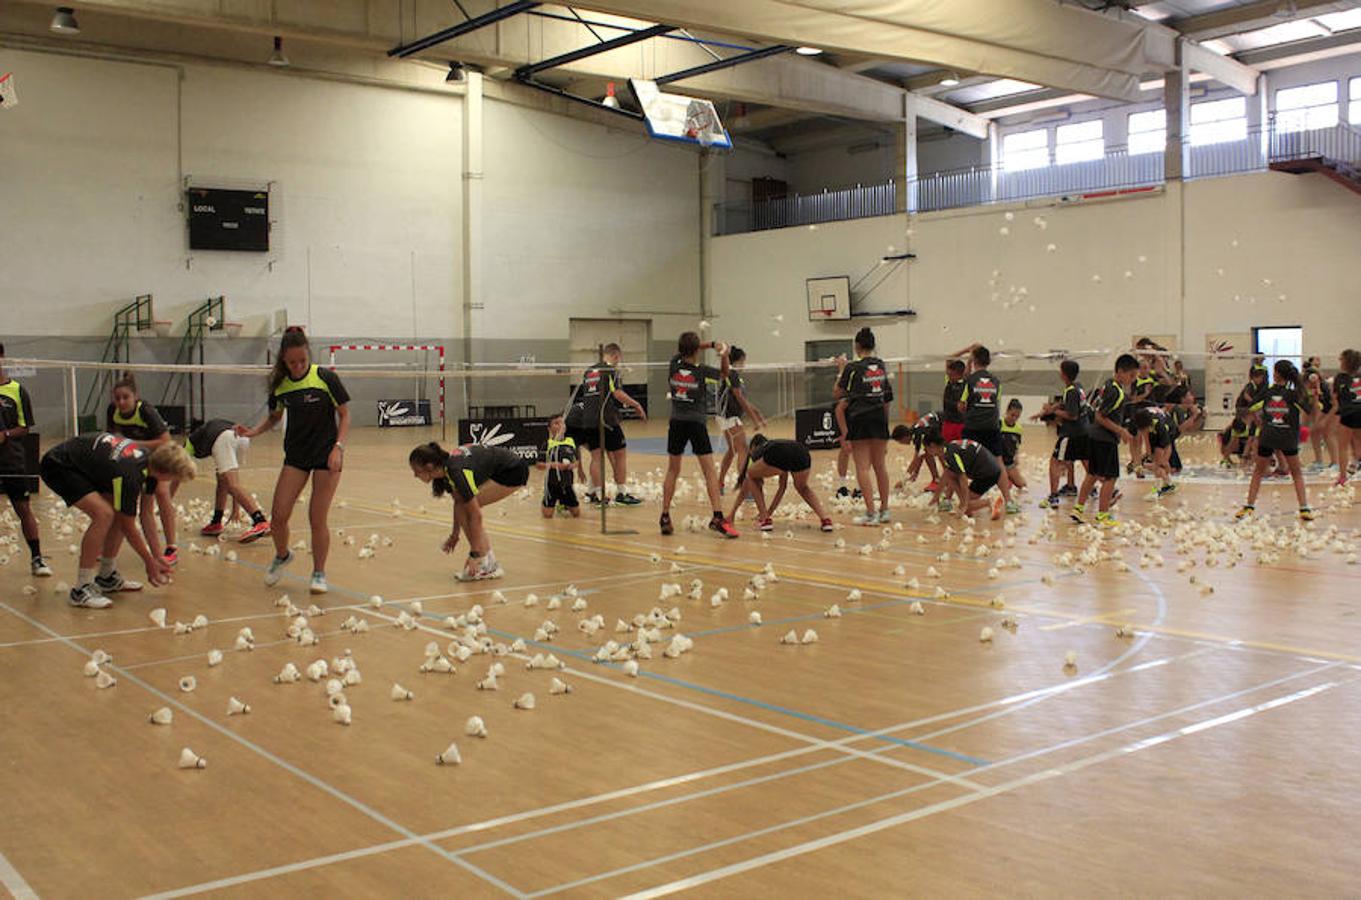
(64, 21)
(277, 58)
(808, 51)
(949, 79)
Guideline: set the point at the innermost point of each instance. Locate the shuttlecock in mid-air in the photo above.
(191, 760)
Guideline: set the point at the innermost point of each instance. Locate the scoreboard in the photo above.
(221, 219)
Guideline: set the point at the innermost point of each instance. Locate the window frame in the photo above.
(1008, 155)
(1295, 119)
(1199, 132)
(1079, 151)
(1131, 133)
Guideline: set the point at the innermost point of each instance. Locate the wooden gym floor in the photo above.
(1213, 753)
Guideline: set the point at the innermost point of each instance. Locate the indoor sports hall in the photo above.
(776, 448)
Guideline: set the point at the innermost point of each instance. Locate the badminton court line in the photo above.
(313, 780)
(661, 784)
(14, 882)
(942, 806)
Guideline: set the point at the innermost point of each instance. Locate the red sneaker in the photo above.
(932, 487)
(212, 529)
(255, 532)
(723, 527)
(172, 555)
(767, 524)
(827, 525)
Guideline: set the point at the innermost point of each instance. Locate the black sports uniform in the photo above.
(1103, 446)
(310, 432)
(982, 421)
(1348, 390)
(598, 383)
(1280, 406)
(868, 391)
(144, 423)
(200, 441)
(975, 462)
(16, 411)
(558, 484)
(787, 456)
(468, 468)
(1072, 443)
(97, 463)
(693, 388)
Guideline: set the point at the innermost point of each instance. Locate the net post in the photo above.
(443, 424)
(74, 421)
(600, 356)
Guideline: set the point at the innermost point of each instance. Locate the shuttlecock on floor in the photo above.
(342, 714)
(914, 584)
(91, 668)
(1125, 631)
(236, 708)
(655, 558)
(288, 674)
(557, 686)
(631, 668)
(941, 593)
(157, 617)
(475, 727)
(283, 601)
(985, 635)
(754, 618)
(681, 551)
(853, 596)
(916, 608)
(352, 678)
(809, 637)
(450, 756)
(1070, 659)
(489, 684)
(579, 604)
(200, 621)
(105, 680)
(191, 760)
(334, 686)
(790, 637)
(100, 657)
(998, 602)
(524, 701)
(1047, 579)
(376, 602)
(749, 594)
(832, 612)
(214, 658)
(188, 683)
(162, 716)
(839, 543)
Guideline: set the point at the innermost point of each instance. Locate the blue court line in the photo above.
(759, 704)
(737, 698)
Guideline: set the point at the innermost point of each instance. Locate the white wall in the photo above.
(742, 166)
(1298, 232)
(366, 196)
(581, 220)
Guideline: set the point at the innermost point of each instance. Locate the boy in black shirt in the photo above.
(599, 394)
(1104, 435)
(691, 384)
(560, 459)
(1070, 412)
(16, 418)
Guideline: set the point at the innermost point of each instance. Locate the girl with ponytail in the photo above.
(314, 448)
(1278, 408)
(475, 476)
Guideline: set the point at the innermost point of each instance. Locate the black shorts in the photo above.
(511, 475)
(309, 465)
(1158, 442)
(1103, 459)
(788, 458)
(559, 492)
(869, 426)
(1071, 448)
(1265, 452)
(1351, 419)
(68, 483)
(980, 486)
(1174, 461)
(14, 485)
(989, 438)
(679, 434)
(589, 438)
(1009, 454)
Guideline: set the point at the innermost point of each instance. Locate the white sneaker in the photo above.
(884, 517)
(318, 585)
(115, 583)
(485, 569)
(87, 596)
(868, 519)
(276, 569)
(40, 568)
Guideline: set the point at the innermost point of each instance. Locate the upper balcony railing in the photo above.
(979, 185)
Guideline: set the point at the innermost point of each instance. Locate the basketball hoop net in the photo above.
(9, 97)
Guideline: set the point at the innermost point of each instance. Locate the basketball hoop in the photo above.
(9, 97)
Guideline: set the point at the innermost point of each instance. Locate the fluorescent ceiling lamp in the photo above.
(949, 79)
(808, 51)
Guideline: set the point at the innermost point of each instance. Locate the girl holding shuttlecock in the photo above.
(475, 476)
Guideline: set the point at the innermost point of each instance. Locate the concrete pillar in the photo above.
(905, 161)
(472, 274)
(1177, 102)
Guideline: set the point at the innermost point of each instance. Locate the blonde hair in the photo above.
(171, 460)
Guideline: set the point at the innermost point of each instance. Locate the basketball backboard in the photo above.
(829, 299)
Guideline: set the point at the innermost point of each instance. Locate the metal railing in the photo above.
(981, 185)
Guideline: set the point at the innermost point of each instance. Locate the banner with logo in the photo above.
(403, 413)
(527, 437)
(815, 427)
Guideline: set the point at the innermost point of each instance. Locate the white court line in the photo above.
(311, 779)
(14, 882)
(943, 806)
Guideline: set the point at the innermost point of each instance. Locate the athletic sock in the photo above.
(217, 517)
(34, 548)
(85, 576)
(257, 517)
(105, 567)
